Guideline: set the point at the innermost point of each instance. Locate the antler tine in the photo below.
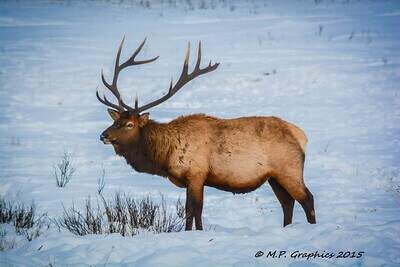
(131, 61)
(105, 101)
(117, 67)
(183, 79)
(186, 62)
(198, 57)
(136, 102)
(113, 87)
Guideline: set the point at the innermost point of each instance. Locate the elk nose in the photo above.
(103, 136)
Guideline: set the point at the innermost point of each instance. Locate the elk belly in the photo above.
(237, 174)
(234, 185)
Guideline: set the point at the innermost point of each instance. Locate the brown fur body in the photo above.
(235, 155)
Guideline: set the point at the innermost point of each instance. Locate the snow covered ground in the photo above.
(331, 67)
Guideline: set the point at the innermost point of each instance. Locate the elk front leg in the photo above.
(194, 206)
(198, 207)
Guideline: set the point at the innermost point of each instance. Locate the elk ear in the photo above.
(114, 114)
(143, 119)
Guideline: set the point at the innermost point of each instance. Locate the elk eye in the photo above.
(129, 125)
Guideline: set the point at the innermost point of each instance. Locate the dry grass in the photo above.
(64, 169)
(23, 218)
(124, 215)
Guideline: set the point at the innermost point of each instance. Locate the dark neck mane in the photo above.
(151, 152)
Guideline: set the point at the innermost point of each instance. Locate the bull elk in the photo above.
(234, 155)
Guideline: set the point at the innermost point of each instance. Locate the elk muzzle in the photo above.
(104, 138)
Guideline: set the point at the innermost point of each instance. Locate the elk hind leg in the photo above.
(308, 205)
(286, 200)
(294, 185)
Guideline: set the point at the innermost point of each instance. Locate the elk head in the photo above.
(129, 121)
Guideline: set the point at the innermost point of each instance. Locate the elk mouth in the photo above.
(107, 141)
(104, 138)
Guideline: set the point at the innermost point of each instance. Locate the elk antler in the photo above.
(113, 87)
(183, 79)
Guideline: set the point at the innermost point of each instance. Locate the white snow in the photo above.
(331, 67)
